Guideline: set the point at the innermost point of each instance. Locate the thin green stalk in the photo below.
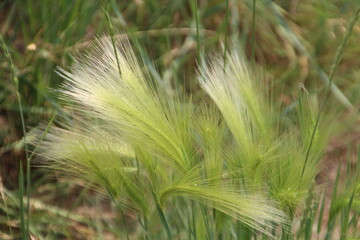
(117, 205)
(27, 165)
(344, 42)
(332, 215)
(206, 222)
(193, 218)
(253, 33)
(354, 224)
(189, 222)
(146, 228)
(180, 216)
(310, 220)
(334, 67)
(124, 223)
(238, 229)
(345, 222)
(21, 202)
(321, 214)
(162, 217)
(16, 81)
(286, 234)
(112, 33)
(226, 32)
(214, 219)
(244, 233)
(307, 214)
(197, 28)
(43, 135)
(164, 221)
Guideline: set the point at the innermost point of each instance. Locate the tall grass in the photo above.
(143, 147)
(229, 165)
(112, 93)
(156, 129)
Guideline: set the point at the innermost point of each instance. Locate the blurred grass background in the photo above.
(295, 42)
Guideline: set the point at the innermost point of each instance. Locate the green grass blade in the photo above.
(193, 218)
(43, 135)
(332, 214)
(334, 67)
(196, 13)
(354, 223)
(310, 221)
(24, 232)
(349, 177)
(162, 217)
(253, 33)
(112, 33)
(321, 214)
(144, 226)
(124, 222)
(243, 232)
(344, 42)
(345, 218)
(164, 221)
(206, 222)
(226, 32)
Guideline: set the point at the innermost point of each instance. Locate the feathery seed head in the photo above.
(143, 147)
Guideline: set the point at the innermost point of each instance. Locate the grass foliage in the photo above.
(173, 133)
(130, 139)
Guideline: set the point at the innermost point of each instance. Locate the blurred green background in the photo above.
(295, 42)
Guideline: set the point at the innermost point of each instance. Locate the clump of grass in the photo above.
(266, 151)
(214, 145)
(147, 149)
(129, 114)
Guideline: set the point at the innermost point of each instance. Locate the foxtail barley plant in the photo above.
(234, 160)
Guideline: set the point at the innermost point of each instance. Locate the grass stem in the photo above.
(112, 33)
(162, 217)
(206, 222)
(226, 32)
(146, 228)
(164, 221)
(23, 228)
(16, 81)
(197, 28)
(124, 222)
(334, 67)
(253, 33)
(193, 218)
